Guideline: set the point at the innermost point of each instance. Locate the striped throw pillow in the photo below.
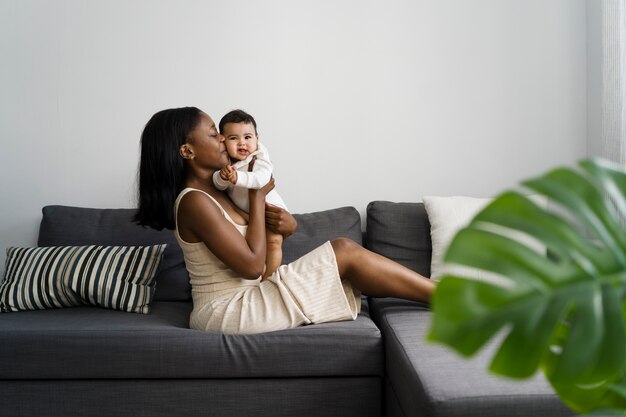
(116, 277)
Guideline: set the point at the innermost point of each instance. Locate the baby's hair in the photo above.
(237, 116)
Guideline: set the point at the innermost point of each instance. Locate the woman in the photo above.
(224, 248)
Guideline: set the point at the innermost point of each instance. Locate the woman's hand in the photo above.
(279, 220)
(261, 192)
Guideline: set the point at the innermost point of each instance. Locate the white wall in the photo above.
(593, 23)
(356, 100)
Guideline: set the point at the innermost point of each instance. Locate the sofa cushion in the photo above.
(117, 277)
(400, 231)
(318, 227)
(431, 380)
(65, 226)
(95, 343)
(448, 215)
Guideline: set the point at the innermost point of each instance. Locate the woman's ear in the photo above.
(186, 152)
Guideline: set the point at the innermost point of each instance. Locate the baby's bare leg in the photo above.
(273, 254)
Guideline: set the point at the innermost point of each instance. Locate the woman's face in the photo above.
(207, 145)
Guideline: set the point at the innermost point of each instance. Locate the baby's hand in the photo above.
(224, 172)
(228, 173)
(232, 177)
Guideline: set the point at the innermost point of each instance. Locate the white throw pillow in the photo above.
(447, 215)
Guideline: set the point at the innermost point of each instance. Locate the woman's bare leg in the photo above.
(273, 253)
(377, 276)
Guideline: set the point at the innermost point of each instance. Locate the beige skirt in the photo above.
(305, 291)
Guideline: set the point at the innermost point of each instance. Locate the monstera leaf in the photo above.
(559, 309)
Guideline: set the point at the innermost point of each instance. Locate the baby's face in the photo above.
(241, 140)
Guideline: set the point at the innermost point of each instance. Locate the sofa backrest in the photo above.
(65, 226)
(318, 227)
(400, 231)
(69, 226)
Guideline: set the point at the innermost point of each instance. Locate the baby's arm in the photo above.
(219, 182)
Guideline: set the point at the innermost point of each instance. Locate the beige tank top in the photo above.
(208, 275)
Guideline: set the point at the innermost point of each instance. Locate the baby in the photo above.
(242, 145)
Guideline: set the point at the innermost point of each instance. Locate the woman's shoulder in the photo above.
(203, 207)
(194, 199)
(195, 209)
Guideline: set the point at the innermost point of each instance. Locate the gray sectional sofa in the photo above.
(90, 361)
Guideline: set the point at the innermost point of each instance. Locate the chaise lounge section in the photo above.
(429, 380)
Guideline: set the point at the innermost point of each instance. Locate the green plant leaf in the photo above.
(560, 308)
(515, 211)
(585, 200)
(604, 396)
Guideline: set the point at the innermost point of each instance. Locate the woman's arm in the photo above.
(200, 217)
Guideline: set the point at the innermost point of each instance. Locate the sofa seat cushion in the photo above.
(95, 343)
(431, 380)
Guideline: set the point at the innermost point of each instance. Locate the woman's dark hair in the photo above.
(236, 116)
(161, 168)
